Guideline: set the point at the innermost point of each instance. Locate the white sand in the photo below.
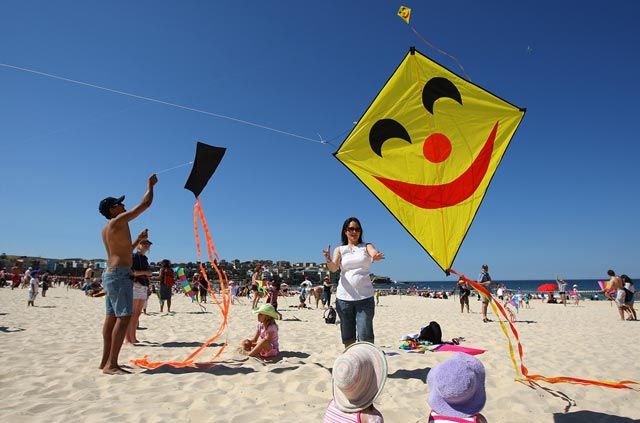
(49, 357)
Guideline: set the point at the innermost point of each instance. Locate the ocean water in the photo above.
(513, 285)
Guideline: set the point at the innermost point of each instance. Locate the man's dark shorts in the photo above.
(118, 286)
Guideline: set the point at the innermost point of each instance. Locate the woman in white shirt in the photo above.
(354, 297)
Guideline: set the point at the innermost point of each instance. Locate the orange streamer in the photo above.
(223, 301)
(623, 384)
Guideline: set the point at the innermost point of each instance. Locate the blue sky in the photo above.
(561, 202)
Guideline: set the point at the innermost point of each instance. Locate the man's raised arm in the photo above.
(146, 201)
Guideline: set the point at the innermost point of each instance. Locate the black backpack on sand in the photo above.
(330, 316)
(431, 333)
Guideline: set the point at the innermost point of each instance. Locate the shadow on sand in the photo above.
(589, 416)
(420, 374)
(215, 369)
(5, 329)
(279, 370)
(293, 354)
(570, 402)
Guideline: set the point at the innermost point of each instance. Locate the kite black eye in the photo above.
(437, 88)
(384, 130)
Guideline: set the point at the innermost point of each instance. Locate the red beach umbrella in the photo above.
(547, 287)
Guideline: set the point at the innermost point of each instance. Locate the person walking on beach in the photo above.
(117, 278)
(26, 279)
(465, 293)
(562, 290)
(141, 274)
(15, 276)
(255, 277)
(202, 286)
(354, 297)
(167, 280)
(630, 292)
(485, 280)
(45, 284)
(326, 292)
(576, 294)
(616, 284)
(34, 283)
(274, 293)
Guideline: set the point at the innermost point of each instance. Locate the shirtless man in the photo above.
(617, 285)
(117, 279)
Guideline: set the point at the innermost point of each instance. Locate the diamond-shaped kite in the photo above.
(427, 148)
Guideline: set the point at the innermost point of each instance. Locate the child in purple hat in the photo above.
(456, 390)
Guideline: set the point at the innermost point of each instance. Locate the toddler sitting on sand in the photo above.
(359, 374)
(264, 343)
(456, 390)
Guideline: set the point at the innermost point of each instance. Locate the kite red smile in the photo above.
(449, 194)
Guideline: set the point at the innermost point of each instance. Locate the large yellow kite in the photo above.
(427, 147)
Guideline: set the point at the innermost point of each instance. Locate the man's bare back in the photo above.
(616, 282)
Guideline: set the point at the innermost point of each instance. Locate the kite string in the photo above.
(166, 103)
(441, 52)
(172, 168)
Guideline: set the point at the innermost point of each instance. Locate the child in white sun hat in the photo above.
(359, 374)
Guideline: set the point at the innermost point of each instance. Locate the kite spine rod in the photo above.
(166, 103)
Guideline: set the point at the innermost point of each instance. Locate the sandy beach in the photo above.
(49, 356)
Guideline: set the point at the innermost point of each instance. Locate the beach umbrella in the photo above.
(547, 287)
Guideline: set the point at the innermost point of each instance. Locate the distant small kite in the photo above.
(405, 13)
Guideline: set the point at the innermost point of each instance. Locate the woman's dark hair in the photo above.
(626, 279)
(166, 264)
(345, 225)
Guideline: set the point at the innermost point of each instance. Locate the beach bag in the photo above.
(628, 295)
(330, 316)
(431, 333)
